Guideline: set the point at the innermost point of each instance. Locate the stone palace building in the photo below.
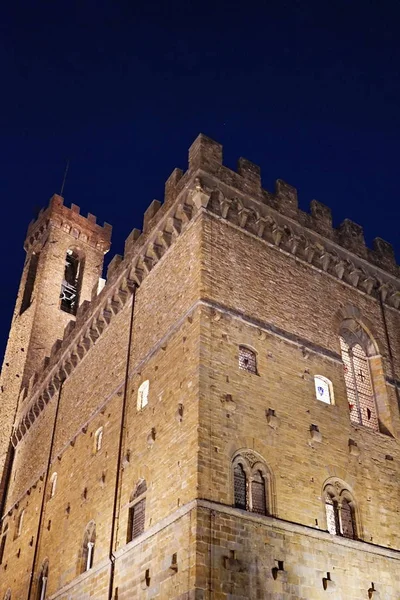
(219, 420)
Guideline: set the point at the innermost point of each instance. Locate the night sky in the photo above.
(310, 91)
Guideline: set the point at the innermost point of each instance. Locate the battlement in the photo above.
(206, 155)
(72, 222)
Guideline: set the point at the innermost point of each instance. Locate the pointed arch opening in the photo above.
(42, 581)
(137, 511)
(252, 483)
(88, 547)
(340, 510)
(72, 281)
(364, 377)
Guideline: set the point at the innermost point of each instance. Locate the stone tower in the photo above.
(221, 420)
(64, 261)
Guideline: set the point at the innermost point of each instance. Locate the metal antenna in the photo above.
(65, 177)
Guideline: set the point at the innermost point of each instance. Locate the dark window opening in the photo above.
(30, 282)
(240, 485)
(2, 548)
(258, 496)
(136, 519)
(70, 286)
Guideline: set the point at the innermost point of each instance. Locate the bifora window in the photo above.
(340, 511)
(251, 483)
(247, 360)
(360, 394)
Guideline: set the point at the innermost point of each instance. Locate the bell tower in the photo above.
(64, 261)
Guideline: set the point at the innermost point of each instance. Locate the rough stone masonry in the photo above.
(220, 420)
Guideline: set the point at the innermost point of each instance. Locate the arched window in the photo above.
(42, 581)
(339, 510)
(89, 540)
(247, 360)
(3, 542)
(359, 387)
(71, 285)
(20, 524)
(137, 511)
(251, 483)
(240, 486)
(323, 389)
(98, 440)
(53, 485)
(143, 395)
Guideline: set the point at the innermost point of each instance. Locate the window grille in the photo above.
(340, 516)
(347, 521)
(358, 382)
(247, 360)
(332, 516)
(240, 485)
(137, 512)
(250, 484)
(258, 500)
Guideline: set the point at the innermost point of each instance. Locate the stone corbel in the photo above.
(309, 252)
(243, 215)
(394, 299)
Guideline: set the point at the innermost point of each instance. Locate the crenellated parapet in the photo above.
(239, 198)
(69, 219)
(205, 155)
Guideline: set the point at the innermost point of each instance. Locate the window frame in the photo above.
(252, 466)
(329, 384)
(337, 493)
(242, 349)
(143, 395)
(137, 497)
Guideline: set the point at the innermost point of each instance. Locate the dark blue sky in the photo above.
(308, 90)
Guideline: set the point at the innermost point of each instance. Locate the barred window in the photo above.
(332, 515)
(247, 360)
(359, 388)
(137, 511)
(340, 510)
(251, 483)
(240, 485)
(258, 500)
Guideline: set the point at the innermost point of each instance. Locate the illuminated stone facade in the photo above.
(218, 422)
